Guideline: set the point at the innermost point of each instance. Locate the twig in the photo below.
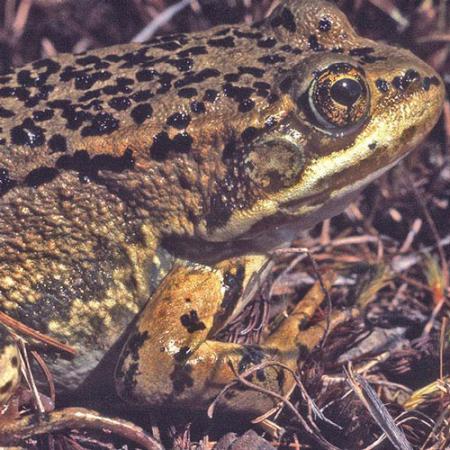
(377, 410)
(24, 329)
(28, 374)
(15, 432)
(147, 32)
(47, 373)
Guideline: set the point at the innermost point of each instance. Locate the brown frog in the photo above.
(141, 187)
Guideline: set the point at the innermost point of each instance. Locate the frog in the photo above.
(143, 186)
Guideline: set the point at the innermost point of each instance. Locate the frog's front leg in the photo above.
(170, 360)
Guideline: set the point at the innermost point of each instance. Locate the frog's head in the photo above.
(348, 109)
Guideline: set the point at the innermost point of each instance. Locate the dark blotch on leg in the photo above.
(192, 322)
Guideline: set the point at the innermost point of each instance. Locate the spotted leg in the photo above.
(170, 359)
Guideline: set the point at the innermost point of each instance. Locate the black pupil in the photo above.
(346, 91)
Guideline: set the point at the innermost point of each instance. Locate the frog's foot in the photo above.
(295, 331)
(9, 366)
(15, 432)
(170, 360)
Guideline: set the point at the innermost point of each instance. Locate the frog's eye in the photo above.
(338, 97)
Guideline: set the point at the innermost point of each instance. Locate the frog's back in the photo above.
(138, 102)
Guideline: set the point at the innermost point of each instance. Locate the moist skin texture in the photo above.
(188, 157)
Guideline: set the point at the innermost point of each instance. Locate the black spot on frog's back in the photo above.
(101, 124)
(284, 18)
(272, 59)
(195, 50)
(40, 176)
(6, 113)
(251, 355)
(43, 116)
(197, 77)
(210, 95)
(427, 82)
(57, 143)
(162, 145)
(247, 136)
(268, 42)
(89, 167)
(120, 103)
(178, 120)
(198, 107)
(28, 133)
(187, 92)
(226, 42)
(241, 95)
(141, 113)
(182, 64)
(314, 43)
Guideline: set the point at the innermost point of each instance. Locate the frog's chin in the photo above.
(281, 229)
(267, 234)
(329, 203)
